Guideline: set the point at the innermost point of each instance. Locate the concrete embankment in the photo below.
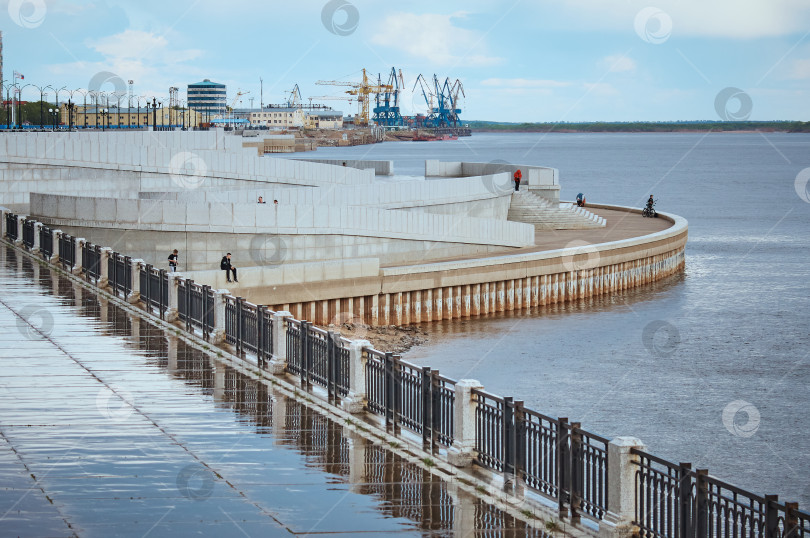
(452, 289)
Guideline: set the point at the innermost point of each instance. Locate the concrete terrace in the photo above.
(109, 426)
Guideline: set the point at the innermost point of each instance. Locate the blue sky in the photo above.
(561, 60)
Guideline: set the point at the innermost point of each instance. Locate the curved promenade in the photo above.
(562, 266)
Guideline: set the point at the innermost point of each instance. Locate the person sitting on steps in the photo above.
(581, 200)
(226, 266)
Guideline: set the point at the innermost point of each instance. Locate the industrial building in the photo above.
(208, 98)
(115, 118)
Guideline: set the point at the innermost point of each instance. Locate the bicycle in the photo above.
(649, 211)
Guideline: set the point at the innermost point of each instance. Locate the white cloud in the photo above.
(800, 69)
(434, 38)
(145, 57)
(524, 83)
(741, 19)
(618, 63)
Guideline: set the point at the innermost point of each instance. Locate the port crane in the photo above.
(360, 91)
(386, 111)
(446, 111)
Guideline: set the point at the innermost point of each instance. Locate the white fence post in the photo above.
(79, 243)
(278, 363)
(355, 401)
(218, 335)
(104, 267)
(621, 471)
(135, 294)
(464, 443)
(171, 311)
(56, 235)
(36, 247)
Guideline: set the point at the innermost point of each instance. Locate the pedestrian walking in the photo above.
(518, 177)
(173, 261)
(226, 266)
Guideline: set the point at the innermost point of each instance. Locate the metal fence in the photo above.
(249, 327)
(319, 357)
(553, 457)
(46, 242)
(416, 398)
(28, 233)
(11, 226)
(154, 285)
(195, 306)
(675, 501)
(119, 274)
(91, 260)
(67, 251)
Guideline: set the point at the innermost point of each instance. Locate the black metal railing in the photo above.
(249, 327)
(675, 501)
(28, 233)
(154, 285)
(46, 242)
(67, 251)
(195, 306)
(91, 260)
(553, 457)
(11, 226)
(416, 398)
(119, 274)
(318, 357)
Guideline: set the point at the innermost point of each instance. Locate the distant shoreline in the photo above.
(643, 127)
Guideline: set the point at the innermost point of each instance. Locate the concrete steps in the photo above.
(532, 209)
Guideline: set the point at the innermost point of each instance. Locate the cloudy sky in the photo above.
(529, 60)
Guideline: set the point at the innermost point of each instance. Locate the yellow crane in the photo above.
(362, 90)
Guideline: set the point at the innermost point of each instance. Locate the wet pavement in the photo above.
(111, 427)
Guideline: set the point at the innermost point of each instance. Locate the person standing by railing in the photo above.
(518, 177)
(173, 261)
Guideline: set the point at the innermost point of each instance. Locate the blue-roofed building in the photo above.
(208, 98)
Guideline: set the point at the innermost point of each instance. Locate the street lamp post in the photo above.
(154, 113)
(53, 112)
(19, 102)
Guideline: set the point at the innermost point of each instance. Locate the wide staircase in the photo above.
(533, 209)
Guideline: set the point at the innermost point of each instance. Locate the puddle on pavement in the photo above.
(277, 455)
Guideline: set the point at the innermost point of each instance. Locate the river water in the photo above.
(724, 382)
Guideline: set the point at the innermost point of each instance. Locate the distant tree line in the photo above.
(30, 113)
(642, 126)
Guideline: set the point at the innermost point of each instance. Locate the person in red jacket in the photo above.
(518, 177)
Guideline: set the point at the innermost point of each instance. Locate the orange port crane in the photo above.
(362, 90)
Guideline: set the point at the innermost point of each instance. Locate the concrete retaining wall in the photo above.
(541, 180)
(381, 168)
(159, 161)
(288, 274)
(448, 290)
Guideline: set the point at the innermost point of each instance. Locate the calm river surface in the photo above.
(737, 344)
